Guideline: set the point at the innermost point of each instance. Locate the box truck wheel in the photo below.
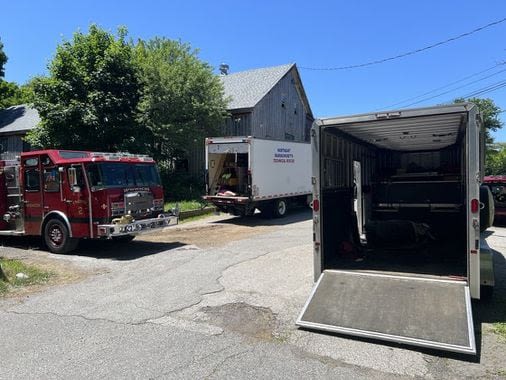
(280, 208)
(57, 237)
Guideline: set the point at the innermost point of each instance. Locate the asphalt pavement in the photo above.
(179, 310)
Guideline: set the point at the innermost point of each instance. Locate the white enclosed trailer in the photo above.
(396, 219)
(246, 173)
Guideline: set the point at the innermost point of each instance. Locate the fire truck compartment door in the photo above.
(417, 311)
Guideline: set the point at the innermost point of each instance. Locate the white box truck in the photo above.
(247, 173)
(396, 220)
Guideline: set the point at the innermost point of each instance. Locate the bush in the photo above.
(182, 186)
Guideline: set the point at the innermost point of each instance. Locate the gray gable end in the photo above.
(246, 88)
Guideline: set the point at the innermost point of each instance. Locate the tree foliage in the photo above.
(491, 123)
(10, 93)
(490, 115)
(104, 93)
(182, 100)
(3, 60)
(496, 159)
(90, 97)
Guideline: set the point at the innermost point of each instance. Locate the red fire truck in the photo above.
(65, 196)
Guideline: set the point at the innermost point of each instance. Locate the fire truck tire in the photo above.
(57, 237)
(123, 239)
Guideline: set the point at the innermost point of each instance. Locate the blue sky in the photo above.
(252, 34)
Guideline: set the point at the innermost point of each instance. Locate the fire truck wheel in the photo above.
(57, 237)
(123, 239)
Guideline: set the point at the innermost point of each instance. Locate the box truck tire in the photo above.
(280, 208)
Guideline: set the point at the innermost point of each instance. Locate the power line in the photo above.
(376, 62)
(443, 87)
(485, 90)
(453, 89)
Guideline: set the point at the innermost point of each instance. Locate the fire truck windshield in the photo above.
(109, 174)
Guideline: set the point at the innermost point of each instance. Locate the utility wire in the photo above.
(485, 90)
(453, 89)
(443, 87)
(376, 62)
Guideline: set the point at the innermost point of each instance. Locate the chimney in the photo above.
(224, 69)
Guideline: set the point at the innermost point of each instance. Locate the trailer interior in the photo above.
(394, 232)
(403, 206)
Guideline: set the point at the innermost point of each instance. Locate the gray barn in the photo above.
(265, 103)
(15, 122)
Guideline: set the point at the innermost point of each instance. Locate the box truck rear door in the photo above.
(418, 311)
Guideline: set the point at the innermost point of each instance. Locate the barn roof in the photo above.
(246, 88)
(18, 119)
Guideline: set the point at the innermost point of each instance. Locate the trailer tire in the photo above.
(487, 210)
(57, 237)
(280, 208)
(486, 292)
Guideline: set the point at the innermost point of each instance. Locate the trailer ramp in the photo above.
(418, 311)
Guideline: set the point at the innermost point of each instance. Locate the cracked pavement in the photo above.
(180, 310)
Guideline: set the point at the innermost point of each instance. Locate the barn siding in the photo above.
(11, 146)
(281, 114)
(238, 124)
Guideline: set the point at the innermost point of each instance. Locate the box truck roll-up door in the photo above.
(418, 311)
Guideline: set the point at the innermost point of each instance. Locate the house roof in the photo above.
(246, 88)
(18, 119)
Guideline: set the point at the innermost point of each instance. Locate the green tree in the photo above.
(490, 115)
(90, 97)
(3, 60)
(496, 159)
(491, 123)
(182, 100)
(11, 94)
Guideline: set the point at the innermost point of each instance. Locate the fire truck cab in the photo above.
(65, 196)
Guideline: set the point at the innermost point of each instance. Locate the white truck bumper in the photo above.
(137, 227)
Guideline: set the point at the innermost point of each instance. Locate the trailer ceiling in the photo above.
(406, 133)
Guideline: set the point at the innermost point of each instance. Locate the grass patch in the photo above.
(187, 205)
(12, 267)
(195, 218)
(500, 329)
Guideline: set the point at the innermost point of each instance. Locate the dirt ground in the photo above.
(212, 232)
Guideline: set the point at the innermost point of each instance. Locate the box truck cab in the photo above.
(397, 226)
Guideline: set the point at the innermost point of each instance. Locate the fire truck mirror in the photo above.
(73, 178)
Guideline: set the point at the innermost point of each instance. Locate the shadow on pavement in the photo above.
(107, 249)
(293, 216)
(99, 249)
